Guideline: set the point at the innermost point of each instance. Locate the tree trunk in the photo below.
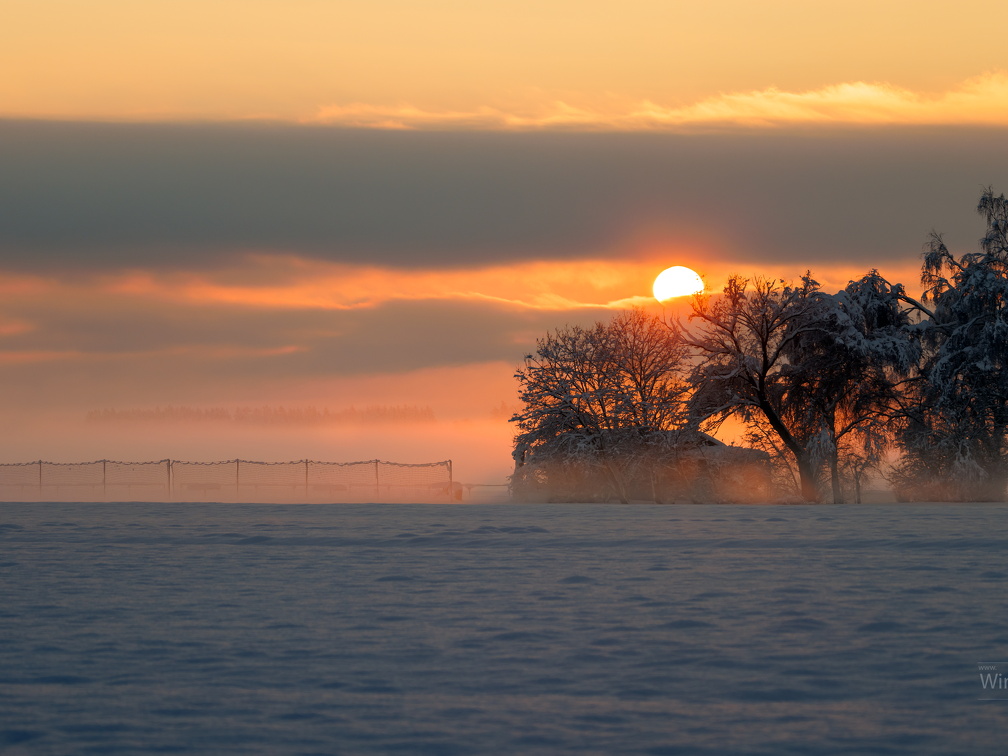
(835, 479)
(806, 474)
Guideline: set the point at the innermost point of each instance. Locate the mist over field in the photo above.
(473, 445)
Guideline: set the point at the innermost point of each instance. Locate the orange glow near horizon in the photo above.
(78, 371)
(470, 403)
(282, 282)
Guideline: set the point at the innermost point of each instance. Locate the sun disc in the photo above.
(677, 281)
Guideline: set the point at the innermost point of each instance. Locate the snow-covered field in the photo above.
(265, 629)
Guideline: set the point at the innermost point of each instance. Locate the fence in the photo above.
(235, 480)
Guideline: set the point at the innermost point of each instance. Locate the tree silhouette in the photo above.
(847, 367)
(597, 402)
(748, 342)
(956, 434)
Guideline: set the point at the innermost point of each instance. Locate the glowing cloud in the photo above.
(289, 283)
(363, 115)
(980, 100)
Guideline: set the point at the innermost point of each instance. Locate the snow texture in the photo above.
(309, 629)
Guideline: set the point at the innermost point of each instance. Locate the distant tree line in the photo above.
(830, 388)
(265, 415)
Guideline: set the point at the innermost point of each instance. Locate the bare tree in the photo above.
(594, 401)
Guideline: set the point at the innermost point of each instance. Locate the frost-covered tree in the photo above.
(747, 338)
(849, 360)
(816, 377)
(597, 402)
(956, 435)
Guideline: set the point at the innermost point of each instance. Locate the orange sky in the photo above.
(636, 64)
(54, 381)
(304, 202)
(276, 282)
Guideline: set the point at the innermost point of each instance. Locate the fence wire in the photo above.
(235, 480)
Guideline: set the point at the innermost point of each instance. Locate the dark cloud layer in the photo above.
(153, 352)
(112, 195)
(396, 336)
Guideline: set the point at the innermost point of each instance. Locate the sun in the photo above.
(677, 281)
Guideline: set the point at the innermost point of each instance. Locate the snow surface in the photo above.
(425, 629)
